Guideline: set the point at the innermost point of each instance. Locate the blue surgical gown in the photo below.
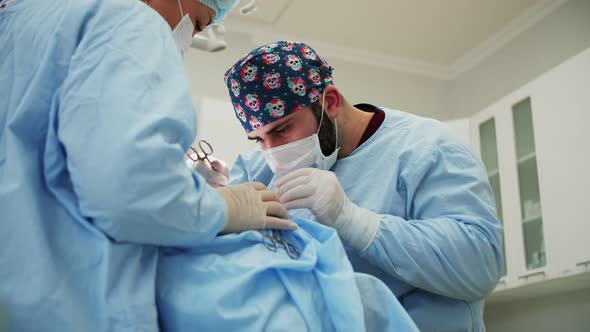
(235, 283)
(439, 244)
(95, 116)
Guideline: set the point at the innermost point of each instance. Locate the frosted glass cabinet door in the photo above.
(528, 183)
(489, 155)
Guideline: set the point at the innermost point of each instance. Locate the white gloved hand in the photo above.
(321, 192)
(253, 206)
(215, 173)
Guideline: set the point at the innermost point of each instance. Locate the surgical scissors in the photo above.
(275, 239)
(206, 151)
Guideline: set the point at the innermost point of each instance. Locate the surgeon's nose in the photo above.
(203, 18)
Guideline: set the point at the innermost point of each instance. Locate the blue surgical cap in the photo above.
(221, 7)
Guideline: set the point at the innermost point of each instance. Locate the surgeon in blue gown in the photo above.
(410, 202)
(95, 117)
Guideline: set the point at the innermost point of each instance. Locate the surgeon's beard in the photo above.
(327, 134)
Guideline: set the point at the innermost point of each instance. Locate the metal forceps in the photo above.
(205, 151)
(275, 239)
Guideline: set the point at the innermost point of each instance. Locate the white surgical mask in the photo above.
(183, 32)
(303, 153)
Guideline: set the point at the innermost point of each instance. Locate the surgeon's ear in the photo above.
(333, 102)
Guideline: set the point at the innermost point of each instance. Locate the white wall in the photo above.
(410, 93)
(563, 34)
(462, 130)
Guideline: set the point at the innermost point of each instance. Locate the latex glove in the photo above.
(321, 192)
(215, 173)
(253, 206)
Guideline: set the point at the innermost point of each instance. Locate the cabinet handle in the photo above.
(584, 263)
(526, 276)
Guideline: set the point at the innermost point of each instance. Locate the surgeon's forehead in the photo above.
(267, 127)
(270, 126)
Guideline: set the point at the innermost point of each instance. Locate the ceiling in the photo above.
(439, 35)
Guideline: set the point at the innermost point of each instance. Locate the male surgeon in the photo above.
(411, 204)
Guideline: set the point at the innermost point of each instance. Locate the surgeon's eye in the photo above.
(282, 130)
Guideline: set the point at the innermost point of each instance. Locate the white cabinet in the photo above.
(535, 144)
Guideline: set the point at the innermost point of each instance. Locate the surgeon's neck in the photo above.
(352, 123)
